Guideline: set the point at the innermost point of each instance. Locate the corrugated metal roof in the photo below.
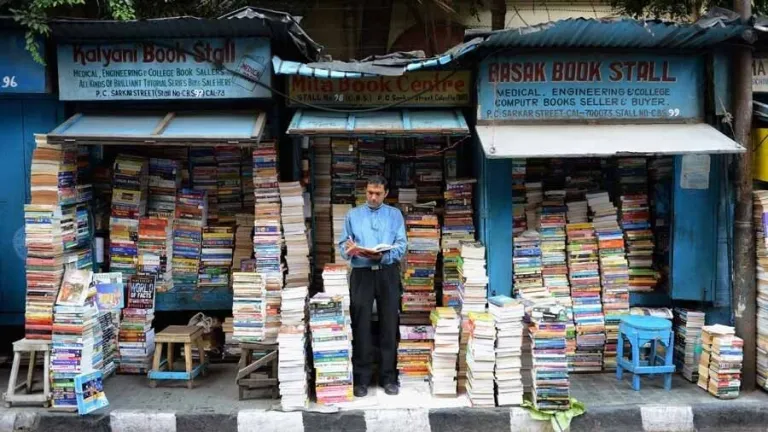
(530, 141)
(388, 123)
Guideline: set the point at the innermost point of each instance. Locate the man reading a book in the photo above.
(374, 241)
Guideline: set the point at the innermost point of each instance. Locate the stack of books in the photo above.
(413, 353)
(518, 197)
(481, 359)
(584, 275)
(508, 317)
(77, 338)
(53, 173)
(205, 178)
(164, 181)
(291, 369)
(419, 297)
(371, 162)
(344, 163)
(265, 173)
(635, 221)
(761, 249)
(107, 321)
(243, 238)
(294, 234)
(136, 338)
(721, 361)
(324, 241)
(339, 217)
(155, 251)
(45, 267)
(110, 293)
(274, 306)
(553, 243)
(687, 326)
(249, 306)
(216, 258)
(267, 239)
(336, 281)
(527, 267)
(228, 182)
(458, 227)
(473, 277)
(129, 203)
(246, 179)
(442, 365)
(549, 365)
(191, 217)
(428, 170)
(330, 324)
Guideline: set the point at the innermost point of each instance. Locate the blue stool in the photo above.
(640, 330)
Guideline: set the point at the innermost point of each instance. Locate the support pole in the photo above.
(744, 296)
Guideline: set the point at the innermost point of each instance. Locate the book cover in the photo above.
(141, 292)
(89, 391)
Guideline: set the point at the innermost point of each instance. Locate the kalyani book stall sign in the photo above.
(166, 69)
(594, 87)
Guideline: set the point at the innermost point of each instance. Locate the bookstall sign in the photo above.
(19, 73)
(414, 89)
(166, 69)
(647, 87)
(760, 75)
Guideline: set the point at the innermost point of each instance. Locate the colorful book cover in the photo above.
(109, 291)
(89, 391)
(141, 292)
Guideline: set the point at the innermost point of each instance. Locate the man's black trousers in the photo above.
(383, 285)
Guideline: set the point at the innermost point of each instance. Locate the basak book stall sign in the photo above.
(417, 89)
(166, 69)
(591, 87)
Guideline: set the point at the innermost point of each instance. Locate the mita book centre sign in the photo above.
(590, 87)
(166, 69)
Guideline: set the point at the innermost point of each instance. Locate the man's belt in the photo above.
(376, 267)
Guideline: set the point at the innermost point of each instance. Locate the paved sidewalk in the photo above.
(213, 406)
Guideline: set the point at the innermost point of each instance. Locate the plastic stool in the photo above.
(640, 330)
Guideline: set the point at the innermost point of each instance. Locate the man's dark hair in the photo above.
(378, 180)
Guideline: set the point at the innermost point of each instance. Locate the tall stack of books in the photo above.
(274, 307)
(294, 234)
(371, 162)
(243, 238)
(549, 365)
(761, 250)
(413, 354)
(136, 338)
(442, 365)
(339, 216)
(129, 203)
(291, 369)
(329, 323)
(265, 173)
(155, 248)
(428, 170)
(249, 306)
(267, 239)
(164, 181)
(473, 276)
(344, 176)
(508, 317)
(228, 183)
(613, 272)
(458, 227)
(246, 178)
(518, 197)
(635, 220)
(419, 298)
(216, 258)
(721, 361)
(191, 217)
(584, 275)
(553, 242)
(527, 267)
(110, 293)
(77, 339)
(205, 178)
(107, 321)
(687, 326)
(324, 240)
(481, 359)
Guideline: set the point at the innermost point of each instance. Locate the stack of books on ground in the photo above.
(164, 181)
(546, 322)
(760, 221)
(267, 251)
(216, 258)
(77, 338)
(474, 277)
(292, 343)
(481, 359)
(442, 365)
(458, 228)
(687, 326)
(721, 361)
(155, 251)
(331, 330)
(508, 315)
(249, 306)
(136, 338)
(191, 217)
(419, 297)
(413, 354)
(243, 239)
(129, 203)
(338, 216)
(294, 234)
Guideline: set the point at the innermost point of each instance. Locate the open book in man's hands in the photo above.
(380, 248)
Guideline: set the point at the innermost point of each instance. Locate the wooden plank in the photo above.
(31, 345)
(160, 128)
(257, 382)
(242, 373)
(179, 334)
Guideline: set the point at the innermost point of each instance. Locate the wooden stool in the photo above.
(249, 378)
(33, 347)
(162, 369)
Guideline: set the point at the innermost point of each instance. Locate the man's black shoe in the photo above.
(391, 389)
(361, 391)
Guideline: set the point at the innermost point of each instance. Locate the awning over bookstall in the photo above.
(174, 128)
(390, 123)
(541, 141)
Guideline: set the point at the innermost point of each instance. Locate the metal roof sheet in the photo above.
(388, 123)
